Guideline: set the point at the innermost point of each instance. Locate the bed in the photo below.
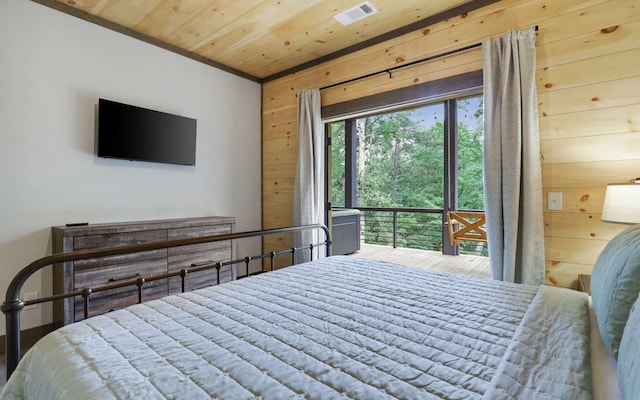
(342, 327)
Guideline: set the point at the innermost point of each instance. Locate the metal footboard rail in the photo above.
(13, 304)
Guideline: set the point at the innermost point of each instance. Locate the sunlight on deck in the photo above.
(433, 260)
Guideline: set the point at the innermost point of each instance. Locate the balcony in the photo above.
(417, 237)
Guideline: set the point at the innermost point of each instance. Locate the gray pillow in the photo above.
(629, 358)
(615, 283)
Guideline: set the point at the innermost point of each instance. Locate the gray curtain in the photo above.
(308, 203)
(512, 168)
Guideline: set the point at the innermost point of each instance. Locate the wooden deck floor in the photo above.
(462, 264)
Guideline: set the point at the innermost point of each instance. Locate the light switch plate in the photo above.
(554, 201)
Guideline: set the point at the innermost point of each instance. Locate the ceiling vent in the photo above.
(355, 14)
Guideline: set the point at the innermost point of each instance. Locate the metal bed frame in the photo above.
(13, 304)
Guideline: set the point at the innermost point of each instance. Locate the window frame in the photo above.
(447, 91)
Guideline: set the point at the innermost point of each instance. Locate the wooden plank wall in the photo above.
(588, 54)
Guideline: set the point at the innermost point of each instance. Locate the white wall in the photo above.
(53, 69)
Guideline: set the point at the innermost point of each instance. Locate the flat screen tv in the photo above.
(139, 134)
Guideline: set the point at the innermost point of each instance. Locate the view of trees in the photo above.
(400, 163)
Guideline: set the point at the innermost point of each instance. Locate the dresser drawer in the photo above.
(115, 239)
(199, 254)
(198, 231)
(90, 242)
(108, 300)
(197, 280)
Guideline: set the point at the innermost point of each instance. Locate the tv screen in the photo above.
(135, 133)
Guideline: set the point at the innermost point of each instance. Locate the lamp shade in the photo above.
(622, 203)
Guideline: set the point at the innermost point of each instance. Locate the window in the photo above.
(397, 167)
(400, 158)
(470, 130)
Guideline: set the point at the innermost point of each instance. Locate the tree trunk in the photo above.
(396, 151)
(362, 154)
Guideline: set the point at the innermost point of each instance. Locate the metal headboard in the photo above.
(13, 304)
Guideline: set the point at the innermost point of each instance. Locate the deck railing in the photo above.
(415, 228)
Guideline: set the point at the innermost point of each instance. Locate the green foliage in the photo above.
(470, 190)
(404, 163)
(337, 164)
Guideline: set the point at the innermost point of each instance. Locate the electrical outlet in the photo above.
(30, 296)
(554, 201)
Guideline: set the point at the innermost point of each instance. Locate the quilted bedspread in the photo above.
(337, 328)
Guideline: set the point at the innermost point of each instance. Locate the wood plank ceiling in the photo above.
(260, 39)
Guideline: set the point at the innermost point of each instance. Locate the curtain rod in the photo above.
(388, 70)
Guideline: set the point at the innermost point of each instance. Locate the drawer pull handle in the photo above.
(125, 278)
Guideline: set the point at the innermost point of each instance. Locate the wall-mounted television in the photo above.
(139, 134)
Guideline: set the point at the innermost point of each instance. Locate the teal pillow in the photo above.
(629, 357)
(615, 283)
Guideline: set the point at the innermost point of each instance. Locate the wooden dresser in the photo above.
(80, 274)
